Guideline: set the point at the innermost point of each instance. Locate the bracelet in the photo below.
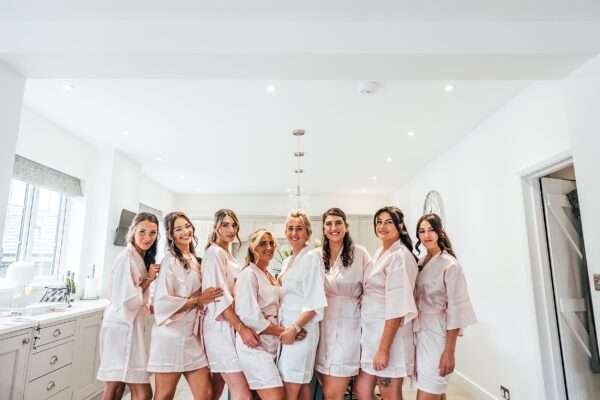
(296, 327)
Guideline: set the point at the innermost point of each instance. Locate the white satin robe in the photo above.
(388, 294)
(176, 344)
(443, 303)
(338, 353)
(303, 288)
(220, 270)
(257, 304)
(123, 354)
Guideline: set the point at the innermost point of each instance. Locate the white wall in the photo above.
(205, 205)
(12, 86)
(583, 106)
(479, 179)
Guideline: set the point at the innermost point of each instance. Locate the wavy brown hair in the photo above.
(218, 221)
(150, 254)
(398, 219)
(347, 243)
(170, 219)
(436, 223)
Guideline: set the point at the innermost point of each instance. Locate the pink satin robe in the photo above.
(338, 353)
(388, 294)
(176, 335)
(443, 303)
(257, 305)
(123, 356)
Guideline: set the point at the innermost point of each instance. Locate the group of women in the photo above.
(334, 310)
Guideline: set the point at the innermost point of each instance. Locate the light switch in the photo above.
(597, 282)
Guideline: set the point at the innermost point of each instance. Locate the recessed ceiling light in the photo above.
(181, 177)
(270, 89)
(158, 158)
(363, 190)
(389, 159)
(125, 133)
(67, 87)
(449, 87)
(411, 133)
(374, 178)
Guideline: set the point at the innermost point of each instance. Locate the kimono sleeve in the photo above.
(459, 313)
(399, 288)
(213, 263)
(126, 294)
(166, 303)
(246, 301)
(313, 285)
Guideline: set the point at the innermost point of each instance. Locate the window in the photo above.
(34, 227)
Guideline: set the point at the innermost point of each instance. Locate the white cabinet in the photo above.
(87, 357)
(14, 356)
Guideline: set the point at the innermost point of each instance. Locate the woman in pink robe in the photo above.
(338, 354)
(220, 269)
(257, 298)
(444, 308)
(176, 348)
(388, 309)
(123, 355)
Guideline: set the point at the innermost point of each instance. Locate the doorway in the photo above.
(565, 305)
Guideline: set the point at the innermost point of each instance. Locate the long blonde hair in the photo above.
(218, 221)
(253, 241)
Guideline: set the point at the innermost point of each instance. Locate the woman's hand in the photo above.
(209, 295)
(153, 271)
(381, 360)
(249, 337)
(288, 336)
(446, 363)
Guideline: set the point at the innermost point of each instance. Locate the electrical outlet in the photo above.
(505, 392)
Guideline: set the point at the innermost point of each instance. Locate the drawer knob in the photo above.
(26, 340)
(50, 385)
(56, 332)
(53, 360)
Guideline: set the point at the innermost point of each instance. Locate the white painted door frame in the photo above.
(551, 361)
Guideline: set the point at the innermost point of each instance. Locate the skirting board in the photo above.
(472, 389)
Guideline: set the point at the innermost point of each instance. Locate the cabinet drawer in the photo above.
(48, 385)
(53, 333)
(66, 394)
(50, 359)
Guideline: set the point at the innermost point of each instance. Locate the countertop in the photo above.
(78, 308)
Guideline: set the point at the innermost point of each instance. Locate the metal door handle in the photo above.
(50, 386)
(56, 332)
(53, 360)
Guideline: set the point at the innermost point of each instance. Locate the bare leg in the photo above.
(365, 385)
(237, 385)
(305, 392)
(421, 395)
(334, 387)
(199, 382)
(276, 393)
(391, 391)
(113, 391)
(140, 391)
(292, 390)
(166, 385)
(218, 384)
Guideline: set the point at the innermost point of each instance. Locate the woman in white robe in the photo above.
(176, 348)
(122, 347)
(444, 308)
(303, 302)
(338, 354)
(220, 269)
(388, 309)
(257, 301)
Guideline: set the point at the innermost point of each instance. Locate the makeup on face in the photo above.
(145, 235)
(385, 228)
(265, 249)
(296, 232)
(334, 228)
(183, 232)
(428, 236)
(228, 229)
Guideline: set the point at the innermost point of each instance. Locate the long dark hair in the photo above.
(347, 243)
(398, 219)
(218, 220)
(170, 219)
(436, 223)
(150, 254)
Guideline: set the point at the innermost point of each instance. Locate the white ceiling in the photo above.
(187, 79)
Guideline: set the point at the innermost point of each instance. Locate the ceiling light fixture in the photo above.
(299, 170)
(125, 133)
(158, 158)
(368, 87)
(389, 159)
(411, 133)
(181, 177)
(270, 89)
(449, 87)
(67, 87)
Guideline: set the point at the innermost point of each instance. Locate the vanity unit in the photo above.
(52, 356)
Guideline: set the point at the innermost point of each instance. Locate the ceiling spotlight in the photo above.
(270, 89)
(449, 87)
(299, 171)
(411, 133)
(374, 178)
(389, 159)
(67, 87)
(367, 87)
(125, 133)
